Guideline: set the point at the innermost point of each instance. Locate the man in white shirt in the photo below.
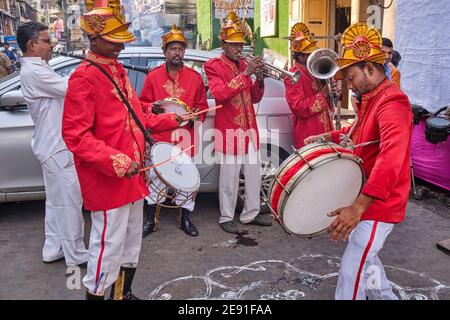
(44, 92)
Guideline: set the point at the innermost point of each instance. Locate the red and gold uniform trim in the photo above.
(120, 162)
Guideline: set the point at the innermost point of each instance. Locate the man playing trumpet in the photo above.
(237, 139)
(309, 97)
(174, 80)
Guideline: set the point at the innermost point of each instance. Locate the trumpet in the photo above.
(274, 72)
(83, 57)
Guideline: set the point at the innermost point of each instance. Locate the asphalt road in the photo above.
(266, 263)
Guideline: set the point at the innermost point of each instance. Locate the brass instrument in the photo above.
(274, 72)
(322, 65)
(83, 57)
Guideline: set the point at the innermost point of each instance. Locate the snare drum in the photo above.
(179, 176)
(176, 106)
(312, 182)
(437, 129)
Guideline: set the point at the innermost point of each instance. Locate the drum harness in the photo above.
(145, 132)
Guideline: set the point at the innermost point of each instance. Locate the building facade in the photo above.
(272, 19)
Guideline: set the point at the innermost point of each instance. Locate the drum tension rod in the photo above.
(335, 150)
(311, 166)
(282, 185)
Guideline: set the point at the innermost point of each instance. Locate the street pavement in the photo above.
(265, 263)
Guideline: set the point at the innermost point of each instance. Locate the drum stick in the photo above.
(167, 160)
(189, 115)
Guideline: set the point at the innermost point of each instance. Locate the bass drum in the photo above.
(312, 182)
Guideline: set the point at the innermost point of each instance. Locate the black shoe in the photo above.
(229, 227)
(148, 228)
(149, 225)
(129, 296)
(186, 225)
(259, 221)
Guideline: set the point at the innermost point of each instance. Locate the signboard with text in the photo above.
(268, 17)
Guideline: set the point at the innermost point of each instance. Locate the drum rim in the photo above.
(283, 167)
(293, 182)
(179, 101)
(302, 173)
(197, 186)
(429, 123)
(305, 151)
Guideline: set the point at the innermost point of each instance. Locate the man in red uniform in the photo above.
(380, 137)
(174, 80)
(236, 139)
(309, 97)
(108, 150)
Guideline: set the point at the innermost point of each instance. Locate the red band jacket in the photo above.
(310, 107)
(235, 122)
(188, 87)
(103, 137)
(384, 115)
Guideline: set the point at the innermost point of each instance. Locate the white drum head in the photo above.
(329, 186)
(172, 106)
(179, 173)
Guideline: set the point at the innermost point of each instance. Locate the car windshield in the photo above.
(9, 76)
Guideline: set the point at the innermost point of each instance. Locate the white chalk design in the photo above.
(283, 281)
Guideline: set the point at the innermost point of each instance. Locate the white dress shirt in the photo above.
(44, 91)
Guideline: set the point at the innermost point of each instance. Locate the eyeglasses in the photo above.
(48, 40)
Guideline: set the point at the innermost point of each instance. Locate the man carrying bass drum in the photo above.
(381, 138)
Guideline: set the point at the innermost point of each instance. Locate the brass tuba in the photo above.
(322, 63)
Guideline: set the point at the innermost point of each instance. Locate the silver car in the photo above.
(21, 175)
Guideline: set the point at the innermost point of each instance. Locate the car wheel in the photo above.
(270, 162)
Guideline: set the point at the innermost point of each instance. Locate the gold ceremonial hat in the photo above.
(173, 35)
(233, 30)
(361, 43)
(301, 40)
(105, 19)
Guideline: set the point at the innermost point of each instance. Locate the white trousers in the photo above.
(64, 224)
(180, 197)
(116, 237)
(361, 273)
(230, 168)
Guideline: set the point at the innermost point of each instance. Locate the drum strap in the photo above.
(145, 132)
(345, 140)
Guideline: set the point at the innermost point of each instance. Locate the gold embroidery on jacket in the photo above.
(325, 119)
(240, 120)
(236, 101)
(136, 151)
(120, 163)
(317, 106)
(233, 84)
(94, 58)
(173, 88)
(247, 99)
